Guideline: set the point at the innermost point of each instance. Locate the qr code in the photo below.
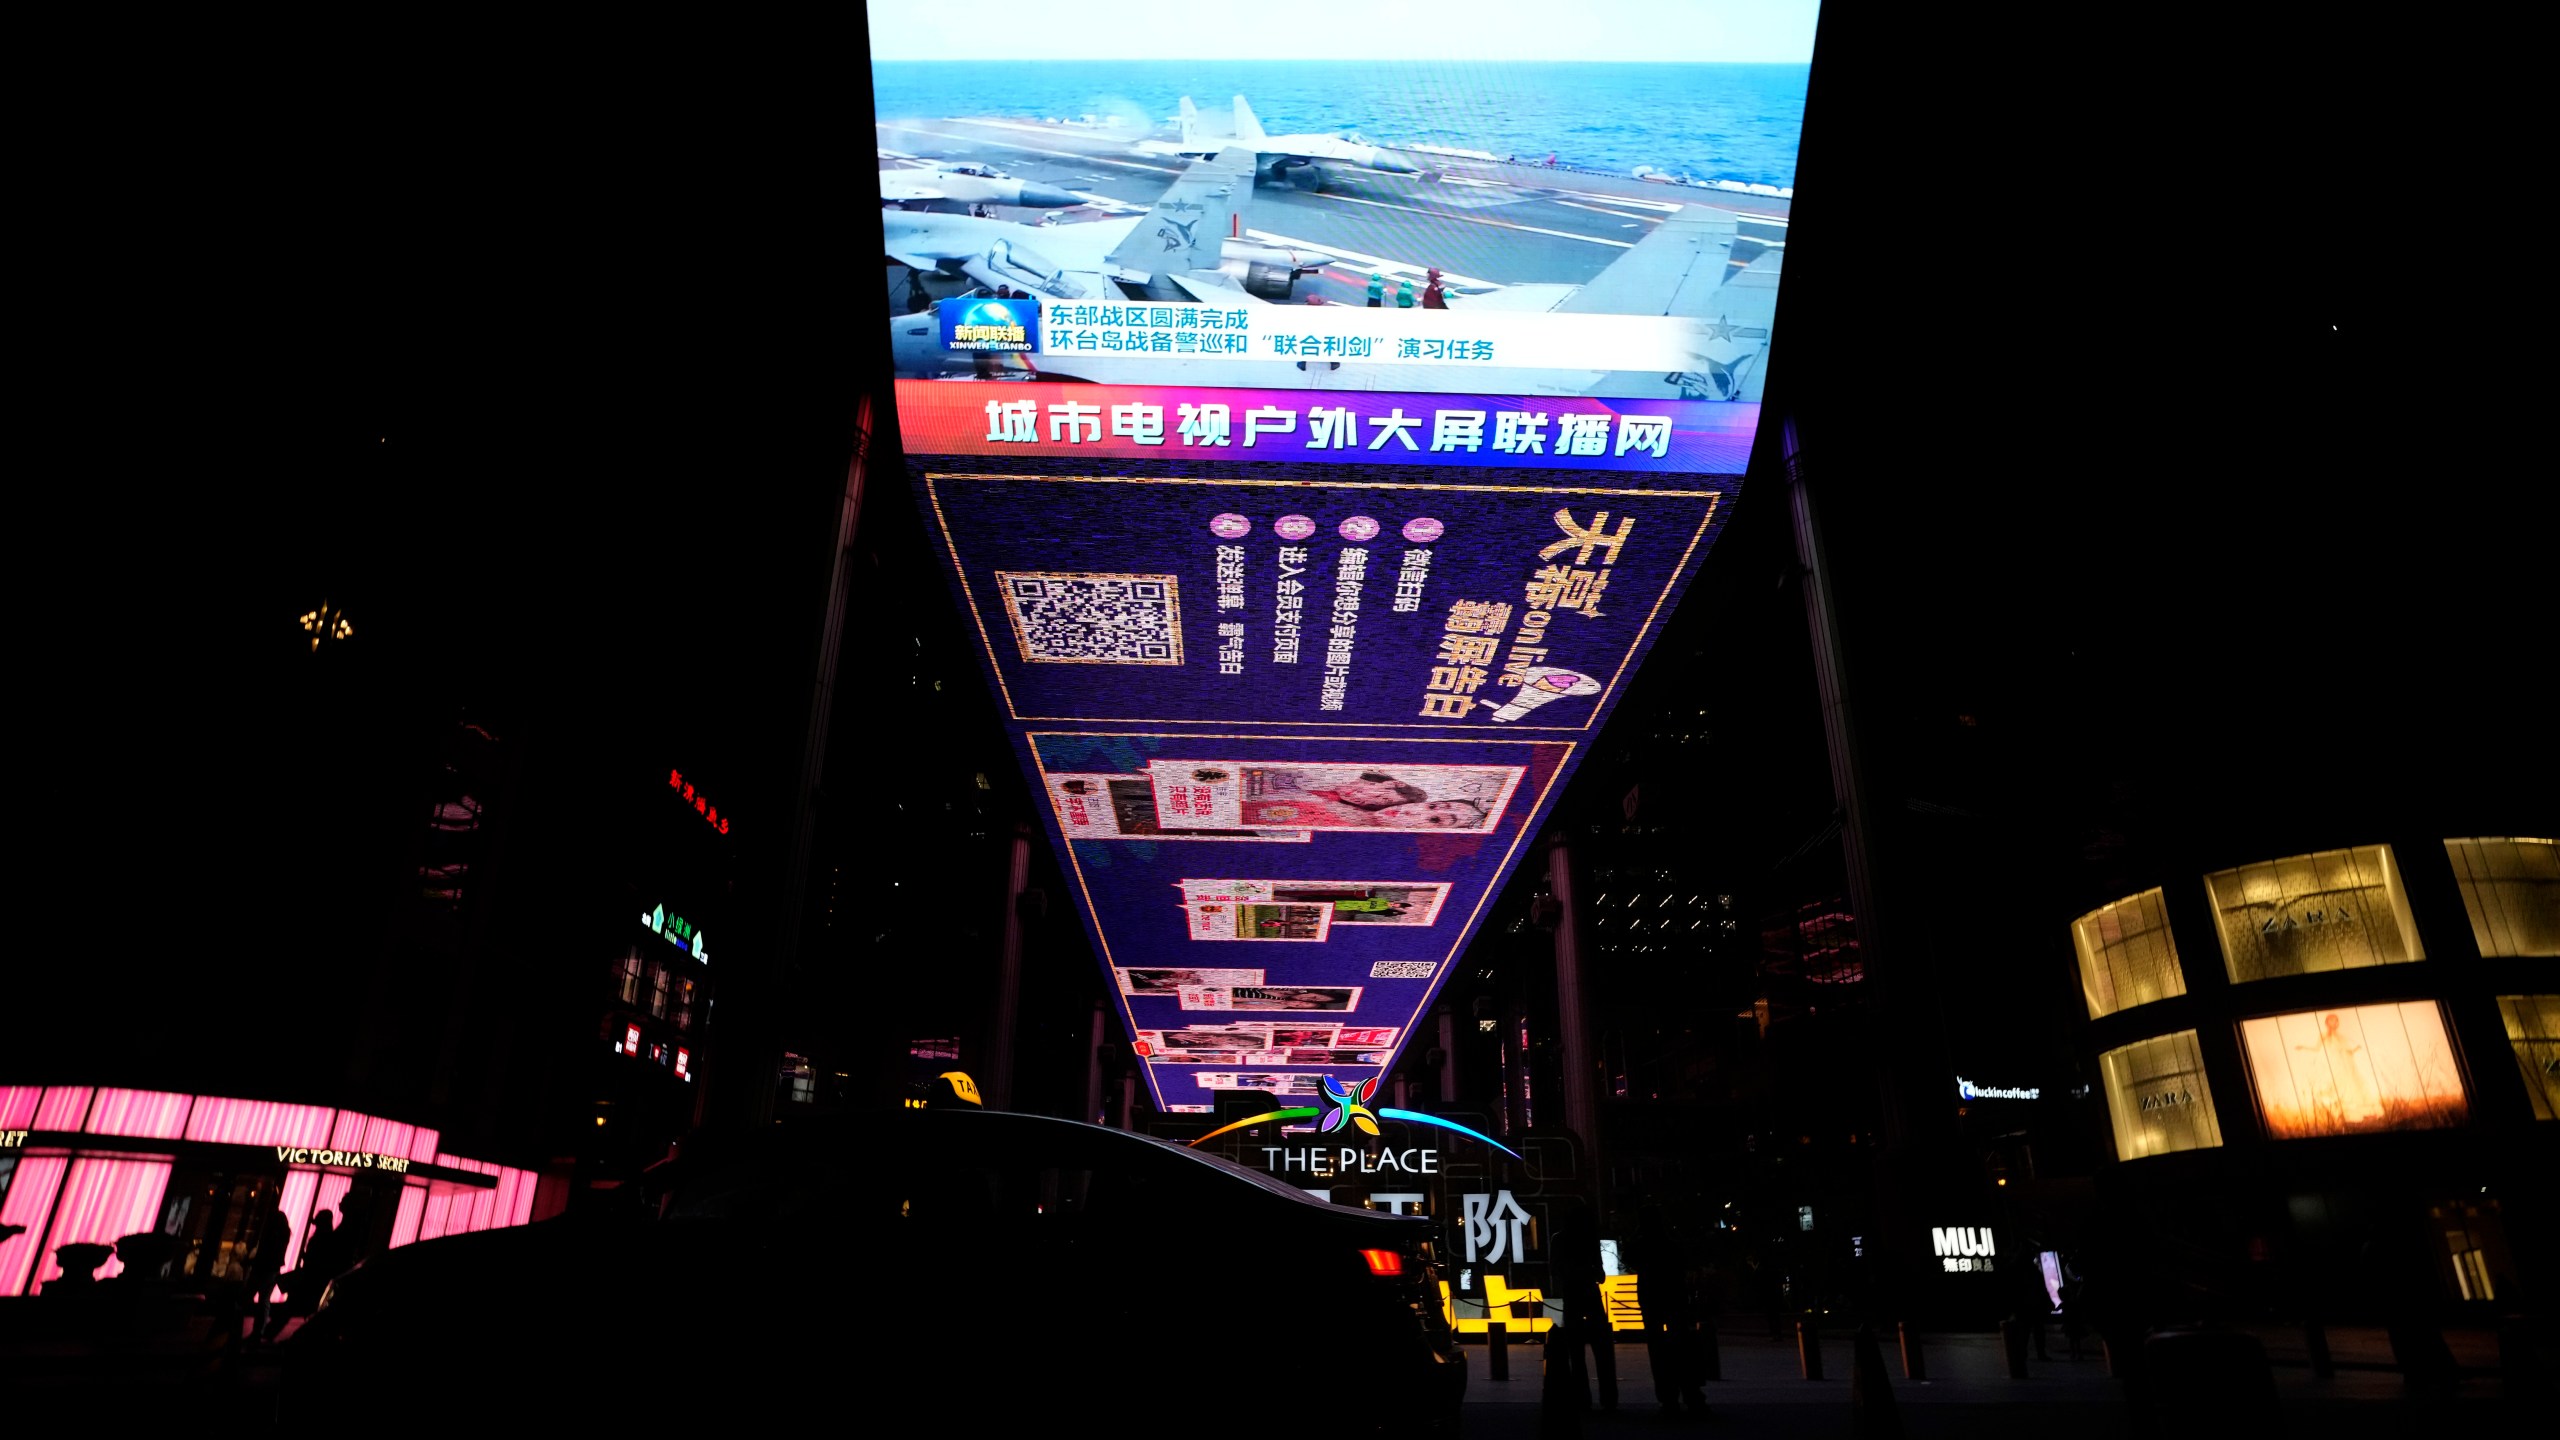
(1095, 619)
(1403, 969)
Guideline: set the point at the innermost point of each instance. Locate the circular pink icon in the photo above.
(1230, 526)
(1293, 527)
(1359, 527)
(1423, 530)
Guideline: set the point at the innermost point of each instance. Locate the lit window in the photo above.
(2127, 955)
(2158, 1098)
(2334, 910)
(2533, 1028)
(2511, 886)
(2354, 1069)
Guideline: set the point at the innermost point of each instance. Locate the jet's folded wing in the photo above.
(1187, 229)
(1676, 270)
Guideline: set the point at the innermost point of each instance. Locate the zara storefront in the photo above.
(2332, 1078)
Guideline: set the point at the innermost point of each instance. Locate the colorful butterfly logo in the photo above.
(1351, 1107)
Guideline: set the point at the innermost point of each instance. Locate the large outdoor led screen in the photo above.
(1316, 443)
(1148, 201)
(2354, 1069)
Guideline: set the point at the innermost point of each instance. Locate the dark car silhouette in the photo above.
(967, 1272)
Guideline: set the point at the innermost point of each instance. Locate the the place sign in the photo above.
(1327, 1161)
(13, 1139)
(1970, 1091)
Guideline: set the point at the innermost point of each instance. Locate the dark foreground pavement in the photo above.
(1969, 1395)
(183, 1374)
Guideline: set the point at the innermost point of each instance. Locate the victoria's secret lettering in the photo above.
(345, 1159)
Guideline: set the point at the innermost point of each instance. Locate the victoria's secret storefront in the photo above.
(83, 1164)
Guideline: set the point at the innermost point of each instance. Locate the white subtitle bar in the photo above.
(1493, 339)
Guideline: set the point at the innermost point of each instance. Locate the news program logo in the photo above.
(986, 324)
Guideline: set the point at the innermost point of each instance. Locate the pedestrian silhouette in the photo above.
(1670, 1314)
(266, 1262)
(355, 1230)
(1586, 1314)
(2075, 1310)
(322, 1260)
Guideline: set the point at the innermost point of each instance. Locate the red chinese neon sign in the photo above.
(701, 806)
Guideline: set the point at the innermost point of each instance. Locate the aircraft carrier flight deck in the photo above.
(1483, 221)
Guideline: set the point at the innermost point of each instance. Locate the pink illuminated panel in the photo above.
(18, 1106)
(387, 1137)
(64, 1108)
(413, 1208)
(422, 1144)
(150, 1114)
(439, 1206)
(29, 1201)
(259, 1122)
(526, 1183)
(103, 1201)
(300, 1187)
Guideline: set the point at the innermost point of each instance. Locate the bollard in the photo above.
(1915, 1363)
(1561, 1395)
(1872, 1415)
(2315, 1344)
(1497, 1339)
(2013, 1342)
(1710, 1358)
(1809, 1349)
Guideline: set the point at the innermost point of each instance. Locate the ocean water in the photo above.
(1712, 122)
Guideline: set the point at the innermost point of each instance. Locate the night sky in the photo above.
(539, 366)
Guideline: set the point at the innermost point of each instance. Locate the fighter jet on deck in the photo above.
(1684, 269)
(953, 189)
(1188, 242)
(1285, 159)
